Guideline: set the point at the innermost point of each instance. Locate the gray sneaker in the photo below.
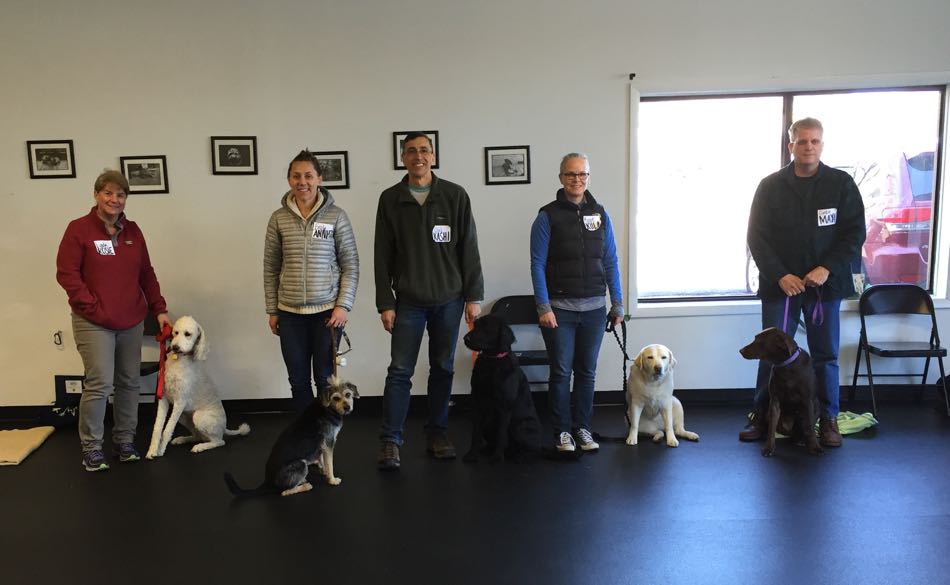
(388, 458)
(586, 440)
(126, 453)
(94, 460)
(565, 442)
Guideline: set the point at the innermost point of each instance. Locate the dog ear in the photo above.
(790, 344)
(352, 387)
(201, 344)
(638, 361)
(672, 359)
(506, 337)
(324, 394)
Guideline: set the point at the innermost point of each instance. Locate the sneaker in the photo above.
(828, 433)
(439, 446)
(755, 430)
(388, 458)
(586, 440)
(565, 442)
(94, 460)
(126, 453)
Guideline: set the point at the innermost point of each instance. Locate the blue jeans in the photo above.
(442, 323)
(573, 345)
(823, 343)
(305, 345)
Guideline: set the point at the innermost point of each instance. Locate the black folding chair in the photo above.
(898, 299)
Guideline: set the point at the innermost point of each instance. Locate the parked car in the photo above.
(897, 248)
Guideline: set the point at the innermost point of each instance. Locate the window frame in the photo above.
(788, 97)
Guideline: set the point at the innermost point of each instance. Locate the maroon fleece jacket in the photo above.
(114, 291)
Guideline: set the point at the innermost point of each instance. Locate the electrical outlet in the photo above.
(73, 386)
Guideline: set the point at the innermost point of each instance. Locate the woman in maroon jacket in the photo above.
(104, 267)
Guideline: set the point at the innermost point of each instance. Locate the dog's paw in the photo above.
(690, 436)
(671, 441)
(631, 439)
(768, 451)
(815, 449)
(334, 480)
(181, 440)
(658, 436)
(151, 454)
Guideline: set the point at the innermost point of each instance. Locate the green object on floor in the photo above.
(850, 423)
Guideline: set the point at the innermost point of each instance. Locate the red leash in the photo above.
(162, 339)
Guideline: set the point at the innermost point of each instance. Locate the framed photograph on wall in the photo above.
(51, 159)
(335, 168)
(234, 155)
(507, 165)
(146, 174)
(400, 137)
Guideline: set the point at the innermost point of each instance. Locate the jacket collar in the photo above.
(788, 172)
(323, 200)
(561, 197)
(406, 197)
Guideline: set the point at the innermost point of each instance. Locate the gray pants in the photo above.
(112, 360)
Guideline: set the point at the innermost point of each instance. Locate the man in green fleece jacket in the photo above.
(427, 272)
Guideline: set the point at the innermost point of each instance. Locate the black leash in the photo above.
(611, 328)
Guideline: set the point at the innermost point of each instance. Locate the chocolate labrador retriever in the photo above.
(792, 399)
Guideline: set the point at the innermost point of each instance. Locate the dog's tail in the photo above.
(240, 492)
(241, 430)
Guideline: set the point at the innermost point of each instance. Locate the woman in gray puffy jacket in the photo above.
(311, 270)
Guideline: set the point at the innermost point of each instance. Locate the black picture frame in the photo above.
(335, 168)
(234, 155)
(51, 159)
(507, 165)
(145, 174)
(400, 137)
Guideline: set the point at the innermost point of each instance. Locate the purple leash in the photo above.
(817, 314)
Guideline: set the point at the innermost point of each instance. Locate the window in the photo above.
(702, 158)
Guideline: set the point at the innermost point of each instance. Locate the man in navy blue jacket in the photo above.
(806, 225)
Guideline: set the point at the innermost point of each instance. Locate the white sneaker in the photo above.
(565, 442)
(586, 440)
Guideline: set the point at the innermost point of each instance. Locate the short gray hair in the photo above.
(571, 155)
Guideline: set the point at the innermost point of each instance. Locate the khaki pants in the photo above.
(112, 360)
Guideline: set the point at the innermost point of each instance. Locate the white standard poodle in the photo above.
(192, 395)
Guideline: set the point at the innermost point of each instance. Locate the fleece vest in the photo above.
(575, 266)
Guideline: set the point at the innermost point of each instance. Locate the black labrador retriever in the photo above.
(792, 399)
(504, 420)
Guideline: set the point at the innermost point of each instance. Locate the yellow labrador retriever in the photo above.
(651, 406)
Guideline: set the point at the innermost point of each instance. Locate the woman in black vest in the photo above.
(573, 264)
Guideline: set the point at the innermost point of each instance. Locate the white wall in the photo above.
(143, 78)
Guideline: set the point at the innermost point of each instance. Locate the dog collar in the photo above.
(790, 359)
(497, 355)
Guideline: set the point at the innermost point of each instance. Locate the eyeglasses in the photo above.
(575, 175)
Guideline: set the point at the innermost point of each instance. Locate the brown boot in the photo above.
(439, 446)
(755, 430)
(828, 434)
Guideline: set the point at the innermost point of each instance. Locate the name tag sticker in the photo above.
(827, 216)
(592, 222)
(323, 231)
(442, 234)
(104, 247)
